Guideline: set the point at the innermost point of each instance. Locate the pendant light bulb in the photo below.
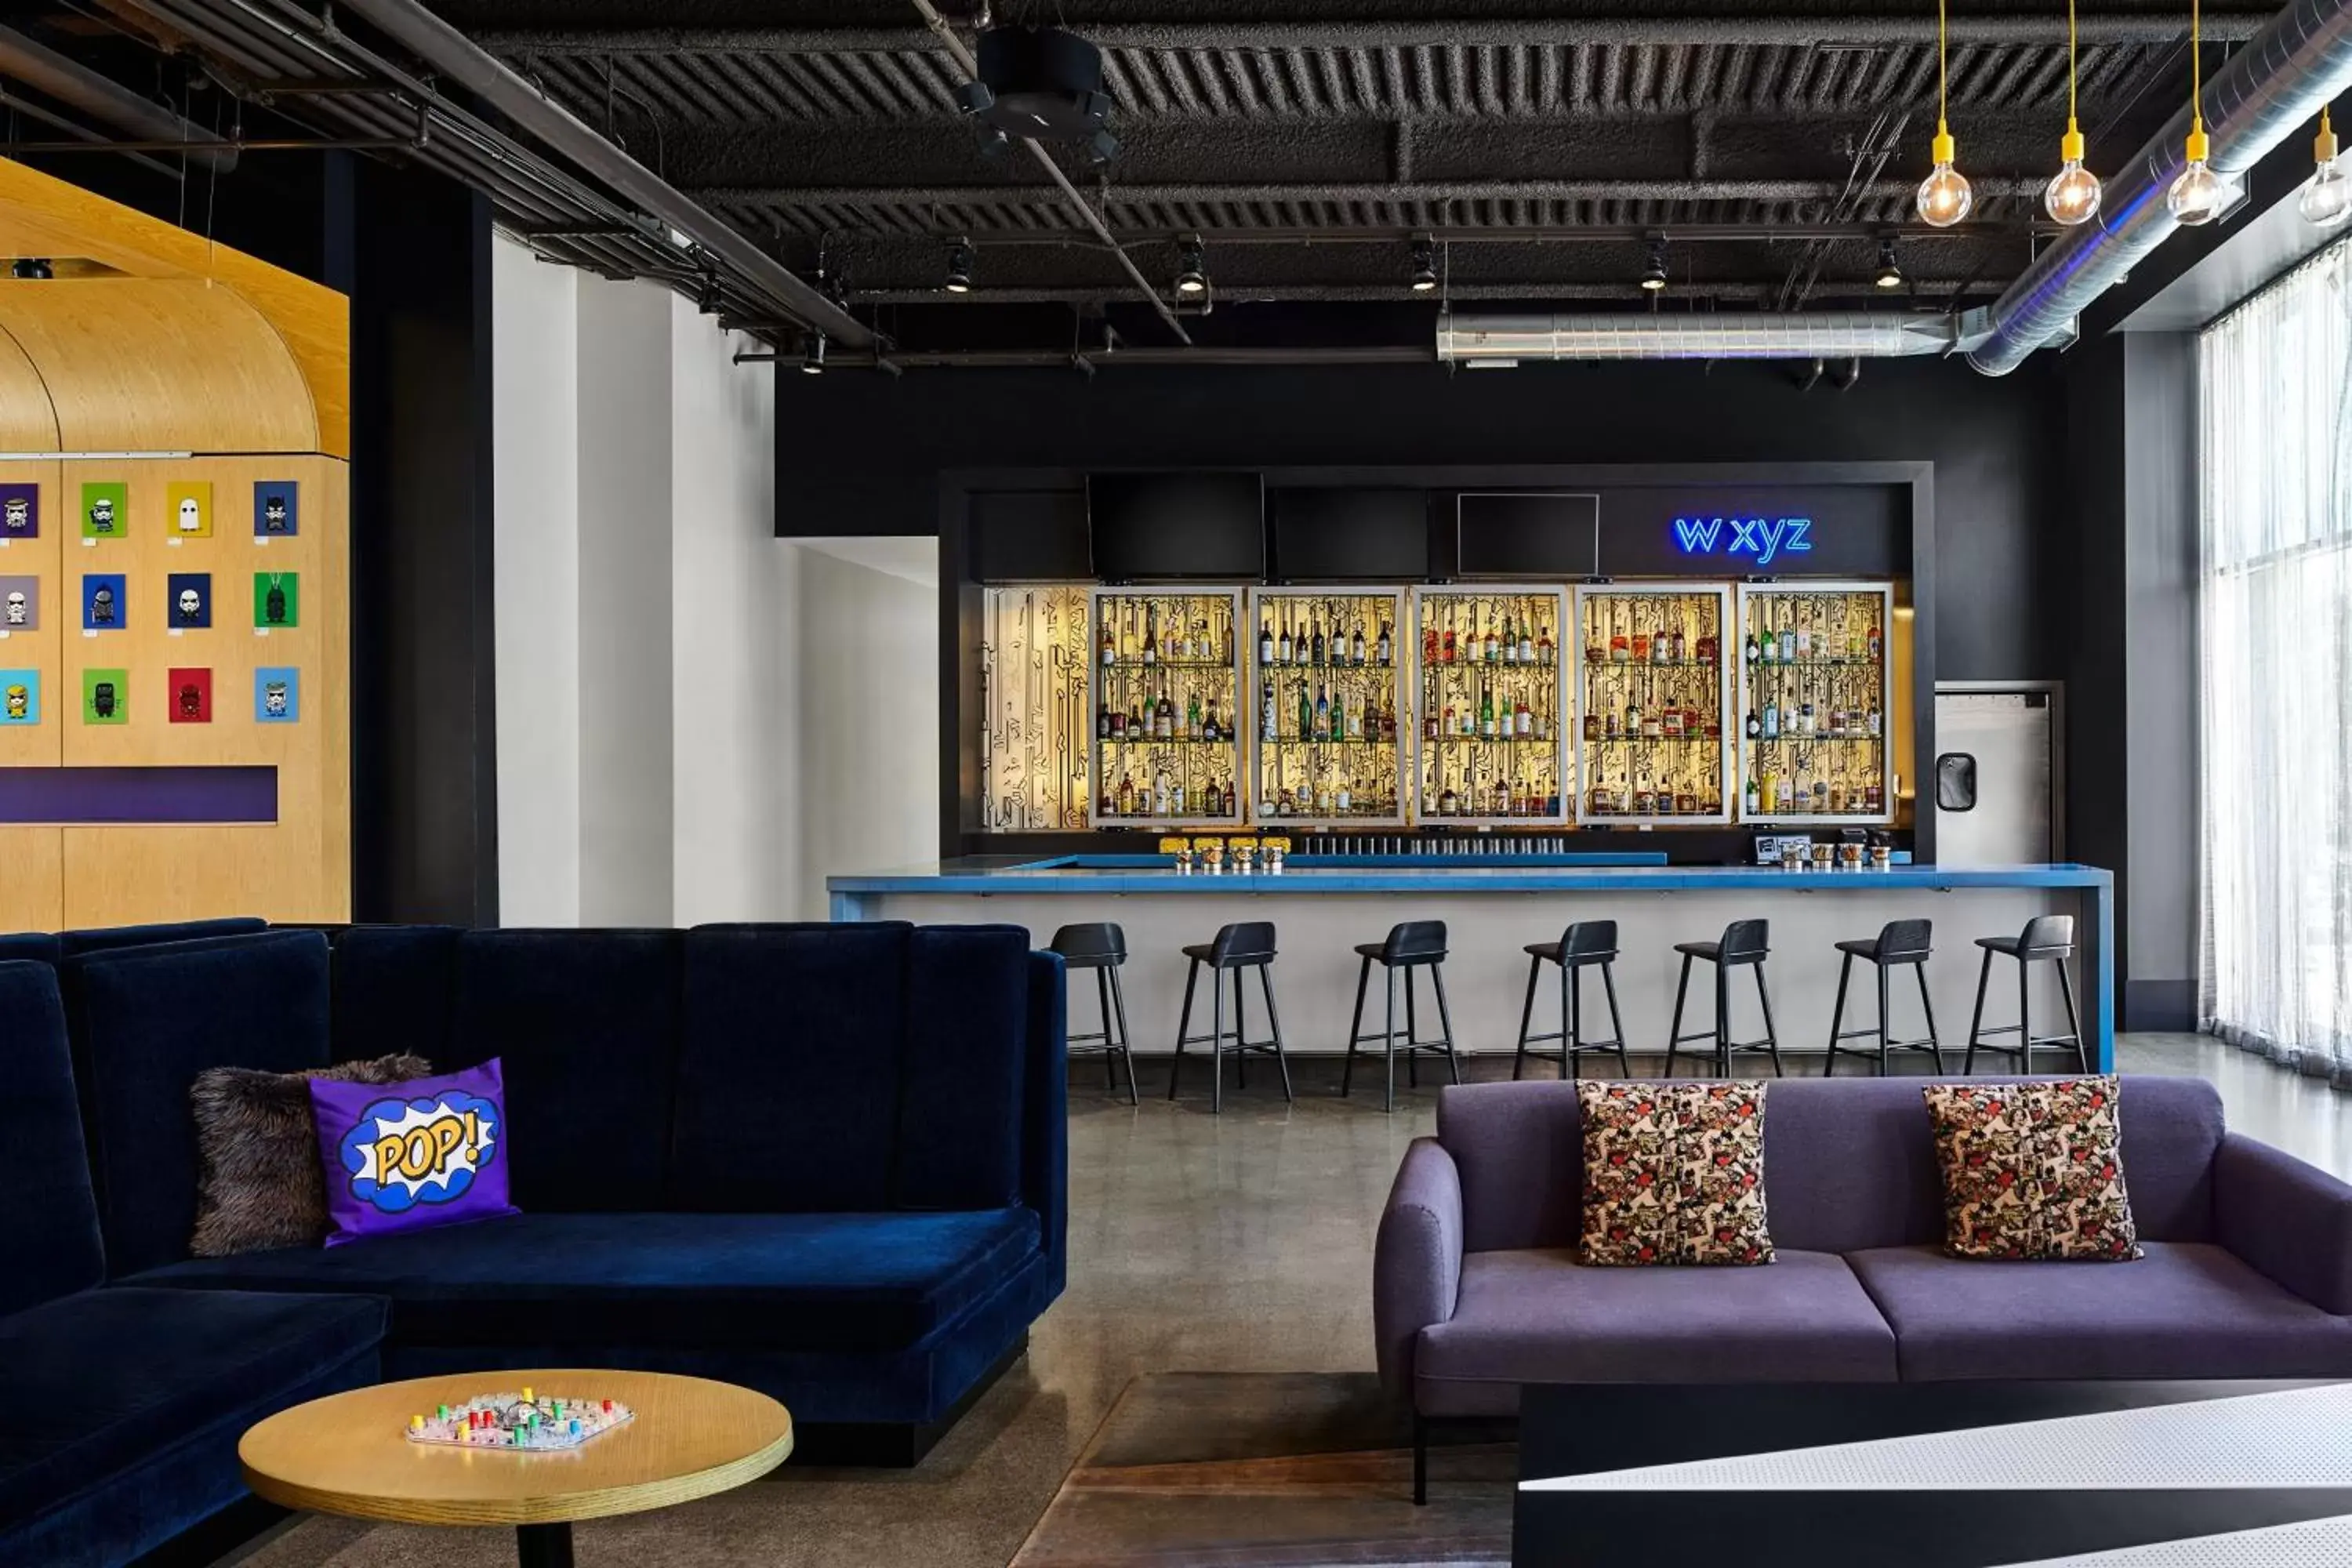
(1944, 195)
(2326, 198)
(2071, 197)
(2198, 194)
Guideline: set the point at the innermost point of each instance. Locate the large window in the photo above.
(2276, 388)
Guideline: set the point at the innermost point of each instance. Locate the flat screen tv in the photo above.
(1177, 525)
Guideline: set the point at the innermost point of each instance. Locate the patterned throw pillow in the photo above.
(257, 1181)
(2034, 1170)
(409, 1156)
(1674, 1172)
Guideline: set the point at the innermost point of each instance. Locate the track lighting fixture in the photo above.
(1890, 271)
(960, 259)
(812, 354)
(1654, 275)
(31, 267)
(2198, 194)
(1944, 195)
(1191, 270)
(2071, 197)
(2327, 196)
(1424, 264)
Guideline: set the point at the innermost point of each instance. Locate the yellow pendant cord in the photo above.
(1943, 76)
(2195, 71)
(2071, 68)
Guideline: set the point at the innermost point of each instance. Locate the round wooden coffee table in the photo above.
(348, 1454)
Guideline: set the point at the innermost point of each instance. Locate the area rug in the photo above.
(1271, 1471)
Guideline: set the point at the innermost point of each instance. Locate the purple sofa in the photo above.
(1477, 1290)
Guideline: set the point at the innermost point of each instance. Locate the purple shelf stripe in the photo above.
(138, 795)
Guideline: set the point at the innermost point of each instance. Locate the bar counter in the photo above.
(1495, 906)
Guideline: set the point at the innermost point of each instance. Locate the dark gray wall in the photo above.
(859, 453)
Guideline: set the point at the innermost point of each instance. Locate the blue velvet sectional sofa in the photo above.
(824, 1161)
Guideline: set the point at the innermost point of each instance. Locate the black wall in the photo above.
(862, 453)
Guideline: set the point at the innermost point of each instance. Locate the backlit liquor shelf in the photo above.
(1638, 704)
(1166, 684)
(1815, 699)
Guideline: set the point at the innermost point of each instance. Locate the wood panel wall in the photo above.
(245, 370)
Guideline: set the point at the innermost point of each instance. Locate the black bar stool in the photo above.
(1103, 948)
(1744, 944)
(1582, 946)
(2047, 939)
(1415, 944)
(1899, 944)
(1244, 946)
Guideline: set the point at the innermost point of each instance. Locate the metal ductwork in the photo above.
(2270, 89)
(1496, 337)
(106, 100)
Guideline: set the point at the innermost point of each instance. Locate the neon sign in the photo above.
(1762, 537)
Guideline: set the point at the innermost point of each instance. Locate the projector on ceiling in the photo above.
(1041, 84)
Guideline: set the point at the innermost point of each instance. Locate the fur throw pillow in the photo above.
(258, 1180)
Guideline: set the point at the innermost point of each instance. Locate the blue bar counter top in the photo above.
(1609, 873)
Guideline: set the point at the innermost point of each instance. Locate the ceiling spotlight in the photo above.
(1424, 264)
(1890, 271)
(31, 267)
(812, 355)
(1191, 268)
(1654, 276)
(959, 267)
(1101, 147)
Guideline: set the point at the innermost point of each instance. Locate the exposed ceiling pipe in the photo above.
(450, 52)
(1496, 337)
(41, 67)
(971, 68)
(2270, 89)
(1367, 193)
(1847, 32)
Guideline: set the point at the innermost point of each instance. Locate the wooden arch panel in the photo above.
(28, 422)
(159, 364)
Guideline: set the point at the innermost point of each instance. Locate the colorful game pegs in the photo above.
(526, 1395)
(416, 1423)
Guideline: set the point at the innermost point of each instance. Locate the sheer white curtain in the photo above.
(2275, 394)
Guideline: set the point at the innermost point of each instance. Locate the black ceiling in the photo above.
(1306, 141)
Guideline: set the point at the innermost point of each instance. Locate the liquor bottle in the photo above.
(1633, 719)
(1640, 644)
(1449, 803)
(1680, 653)
(1805, 720)
(1150, 635)
(1771, 653)
(1357, 649)
(1452, 648)
(1527, 725)
(1592, 725)
(1527, 644)
(1320, 725)
(1489, 651)
(1343, 799)
(1876, 648)
(1192, 731)
(1160, 802)
(1751, 799)
(1804, 638)
(1595, 651)
(1314, 645)
(1429, 725)
(1769, 801)
(1265, 642)
(1356, 721)
(1136, 730)
(1619, 650)
(1127, 794)
(1387, 647)
(1265, 720)
(1102, 722)
(1755, 652)
(1282, 648)
(1788, 635)
(1109, 644)
(1305, 714)
(1176, 798)
(1771, 720)
(1544, 650)
(1228, 803)
(1510, 640)
(1486, 712)
(1210, 730)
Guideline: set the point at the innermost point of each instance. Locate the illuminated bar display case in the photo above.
(1490, 700)
(1815, 700)
(1165, 689)
(1651, 744)
(1330, 721)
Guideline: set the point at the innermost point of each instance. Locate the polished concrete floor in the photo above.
(1236, 1242)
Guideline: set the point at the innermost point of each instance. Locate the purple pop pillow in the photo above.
(409, 1156)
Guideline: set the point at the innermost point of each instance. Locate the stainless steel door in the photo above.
(1995, 777)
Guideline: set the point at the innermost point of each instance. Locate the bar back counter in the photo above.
(1323, 909)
